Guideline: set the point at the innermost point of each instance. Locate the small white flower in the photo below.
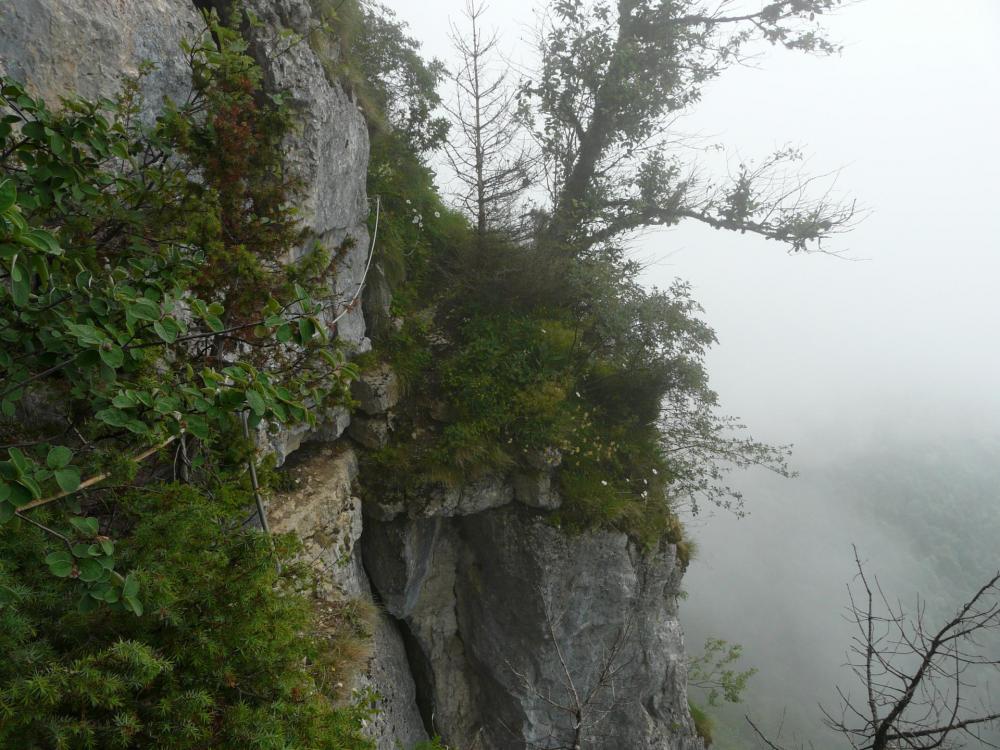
(437, 214)
(544, 331)
(644, 494)
(656, 473)
(604, 482)
(408, 201)
(578, 394)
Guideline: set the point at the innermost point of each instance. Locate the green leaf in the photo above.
(20, 286)
(197, 426)
(307, 329)
(166, 330)
(33, 130)
(86, 526)
(19, 460)
(113, 417)
(284, 333)
(215, 323)
(91, 570)
(68, 479)
(60, 563)
(124, 400)
(6, 511)
(57, 144)
(87, 335)
(8, 195)
(113, 357)
(139, 428)
(133, 604)
(32, 486)
(131, 586)
(144, 309)
(59, 457)
(41, 240)
(256, 402)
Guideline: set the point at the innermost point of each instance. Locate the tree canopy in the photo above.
(613, 77)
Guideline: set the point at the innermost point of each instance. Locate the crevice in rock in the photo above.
(421, 671)
(417, 661)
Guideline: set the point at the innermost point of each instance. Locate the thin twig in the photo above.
(93, 480)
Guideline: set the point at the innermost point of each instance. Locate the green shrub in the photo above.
(144, 310)
(142, 286)
(227, 654)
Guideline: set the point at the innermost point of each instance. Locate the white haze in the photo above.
(895, 346)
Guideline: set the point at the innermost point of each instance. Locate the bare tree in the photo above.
(487, 152)
(583, 702)
(919, 683)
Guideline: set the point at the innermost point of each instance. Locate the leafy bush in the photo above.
(145, 305)
(142, 290)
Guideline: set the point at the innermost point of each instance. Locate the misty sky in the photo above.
(841, 357)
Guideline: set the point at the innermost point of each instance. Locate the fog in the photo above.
(881, 365)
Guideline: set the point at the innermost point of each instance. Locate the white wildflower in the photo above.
(604, 482)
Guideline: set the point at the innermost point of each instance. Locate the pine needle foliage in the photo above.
(225, 656)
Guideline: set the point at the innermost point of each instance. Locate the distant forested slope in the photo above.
(925, 514)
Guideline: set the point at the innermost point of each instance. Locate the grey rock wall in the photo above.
(329, 150)
(85, 47)
(527, 633)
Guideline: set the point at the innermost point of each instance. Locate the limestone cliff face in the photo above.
(525, 637)
(493, 620)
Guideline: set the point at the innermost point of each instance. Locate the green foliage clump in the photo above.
(142, 287)
(149, 321)
(226, 656)
(703, 725)
(433, 744)
(514, 353)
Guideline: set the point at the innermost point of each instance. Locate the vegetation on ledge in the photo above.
(518, 324)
